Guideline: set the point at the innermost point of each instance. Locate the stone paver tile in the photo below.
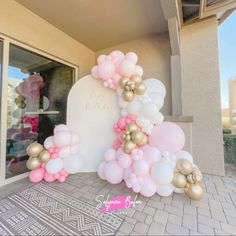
(174, 210)
(177, 204)
(228, 228)
(166, 200)
(190, 222)
(209, 221)
(175, 219)
(126, 228)
(214, 204)
(156, 229)
(149, 210)
(231, 220)
(130, 220)
(161, 217)
(156, 204)
(229, 212)
(176, 229)
(190, 210)
(204, 212)
(220, 232)
(218, 215)
(206, 230)
(148, 220)
(141, 228)
(227, 205)
(140, 216)
(194, 233)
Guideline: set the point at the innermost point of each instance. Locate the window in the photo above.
(36, 102)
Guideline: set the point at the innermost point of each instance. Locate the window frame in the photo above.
(4, 93)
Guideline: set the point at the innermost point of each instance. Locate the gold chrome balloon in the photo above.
(44, 156)
(34, 149)
(33, 163)
(123, 81)
(184, 166)
(179, 180)
(194, 191)
(136, 79)
(144, 140)
(140, 88)
(190, 179)
(137, 137)
(128, 96)
(131, 127)
(128, 146)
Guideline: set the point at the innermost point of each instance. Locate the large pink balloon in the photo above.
(36, 175)
(48, 177)
(167, 137)
(127, 68)
(106, 69)
(113, 172)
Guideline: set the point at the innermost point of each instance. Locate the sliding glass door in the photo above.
(36, 102)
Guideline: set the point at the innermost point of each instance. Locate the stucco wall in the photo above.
(154, 57)
(21, 24)
(201, 93)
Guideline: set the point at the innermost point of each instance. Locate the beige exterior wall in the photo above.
(154, 56)
(232, 104)
(23, 25)
(201, 93)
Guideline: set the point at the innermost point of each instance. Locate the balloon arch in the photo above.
(148, 152)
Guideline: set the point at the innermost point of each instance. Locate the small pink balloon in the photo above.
(117, 54)
(101, 58)
(138, 70)
(106, 69)
(126, 68)
(113, 173)
(124, 161)
(61, 179)
(43, 165)
(141, 167)
(136, 187)
(167, 137)
(127, 173)
(57, 175)
(94, 72)
(151, 154)
(36, 175)
(49, 177)
(131, 56)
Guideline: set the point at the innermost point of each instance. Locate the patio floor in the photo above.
(215, 214)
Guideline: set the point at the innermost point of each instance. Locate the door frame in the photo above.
(4, 93)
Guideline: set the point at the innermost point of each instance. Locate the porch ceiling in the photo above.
(104, 23)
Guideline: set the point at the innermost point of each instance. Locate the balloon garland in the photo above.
(56, 159)
(148, 153)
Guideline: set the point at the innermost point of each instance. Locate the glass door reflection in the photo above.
(36, 102)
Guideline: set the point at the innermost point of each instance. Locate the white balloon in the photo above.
(100, 170)
(149, 110)
(152, 154)
(148, 187)
(62, 138)
(141, 167)
(53, 166)
(110, 155)
(48, 143)
(134, 107)
(74, 149)
(72, 164)
(157, 119)
(184, 155)
(178, 190)
(60, 127)
(157, 99)
(64, 152)
(165, 190)
(155, 86)
(162, 173)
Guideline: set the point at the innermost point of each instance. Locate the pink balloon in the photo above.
(62, 179)
(151, 154)
(101, 58)
(110, 155)
(127, 173)
(106, 69)
(126, 68)
(167, 137)
(138, 70)
(94, 72)
(124, 161)
(131, 56)
(36, 175)
(113, 173)
(136, 187)
(49, 177)
(117, 54)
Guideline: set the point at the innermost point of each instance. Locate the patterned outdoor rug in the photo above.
(43, 210)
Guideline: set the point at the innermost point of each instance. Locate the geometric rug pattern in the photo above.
(43, 210)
